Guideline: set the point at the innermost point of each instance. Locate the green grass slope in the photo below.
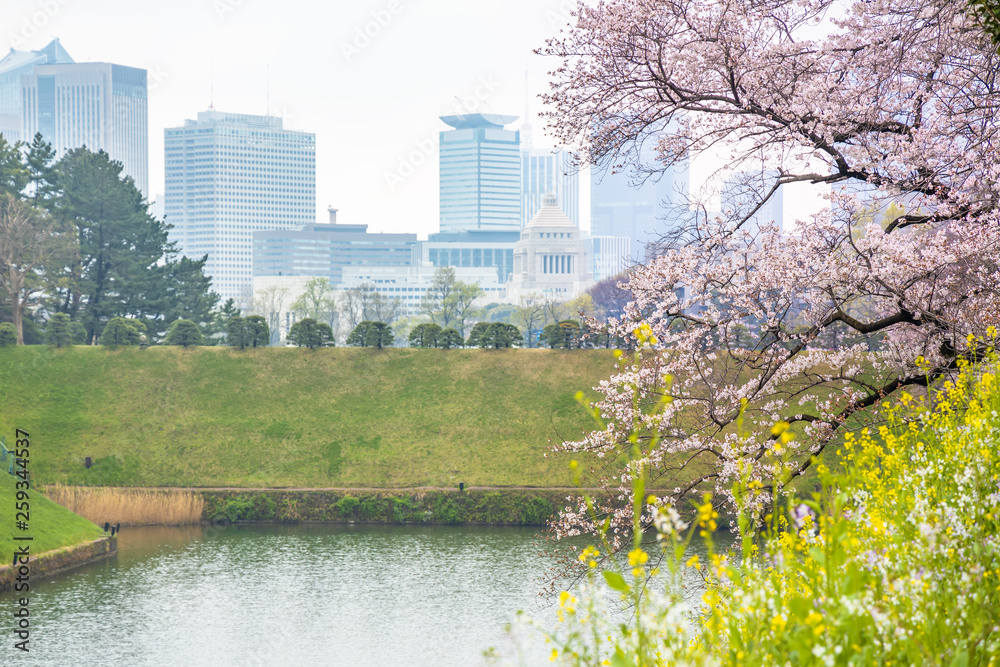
(289, 417)
(50, 525)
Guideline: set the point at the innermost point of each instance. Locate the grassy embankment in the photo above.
(285, 417)
(49, 525)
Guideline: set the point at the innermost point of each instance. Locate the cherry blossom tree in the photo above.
(880, 102)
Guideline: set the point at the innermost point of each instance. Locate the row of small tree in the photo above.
(448, 303)
(253, 332)
(118, 332)
(430, 334)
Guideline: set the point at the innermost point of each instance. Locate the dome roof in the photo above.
(550, 215)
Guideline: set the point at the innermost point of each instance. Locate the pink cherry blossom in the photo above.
(889, 102)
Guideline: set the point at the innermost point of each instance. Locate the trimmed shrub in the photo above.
(371, 334)
(425, 335)
(236, 332)
(183, 332)
(450, 338)
(120, 331)
(309, 333)
(258, 334)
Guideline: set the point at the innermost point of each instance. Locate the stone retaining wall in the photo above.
(60, 560)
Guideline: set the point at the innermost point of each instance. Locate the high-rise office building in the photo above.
(98, 105)
(624, 203)
(13, 66)
(229, 175)
(480, 175)
(545, 171)
(609, 256)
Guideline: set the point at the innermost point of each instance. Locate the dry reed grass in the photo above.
(130, 507)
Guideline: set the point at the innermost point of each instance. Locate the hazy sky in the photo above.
(368, 77)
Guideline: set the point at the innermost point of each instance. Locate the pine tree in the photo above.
(236, 333)
(58, 332)
(449, 338)
(13, 172)
(119, 331)
(425, 335)
(477, 337)
(307, 332)
(120, 244)
(42, 174)
(258, 334)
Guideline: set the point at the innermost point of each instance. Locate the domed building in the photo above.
(550, 259)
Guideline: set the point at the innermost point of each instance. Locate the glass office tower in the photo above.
(545, 171)
(98, 105)
(480, 177)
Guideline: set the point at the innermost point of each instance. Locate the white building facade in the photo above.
(551, 257)
(410, 283)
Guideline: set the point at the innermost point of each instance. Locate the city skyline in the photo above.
(361, 85)
(355, 76)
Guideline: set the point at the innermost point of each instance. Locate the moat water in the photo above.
(291, 595)
(295, 595)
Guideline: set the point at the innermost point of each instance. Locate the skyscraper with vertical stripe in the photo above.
(480, 176)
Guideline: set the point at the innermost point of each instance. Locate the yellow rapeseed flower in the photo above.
(637, 557)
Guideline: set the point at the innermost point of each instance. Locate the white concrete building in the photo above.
(551, 257)
(410, 283)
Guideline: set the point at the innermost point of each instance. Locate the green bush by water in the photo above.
(517, 508)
